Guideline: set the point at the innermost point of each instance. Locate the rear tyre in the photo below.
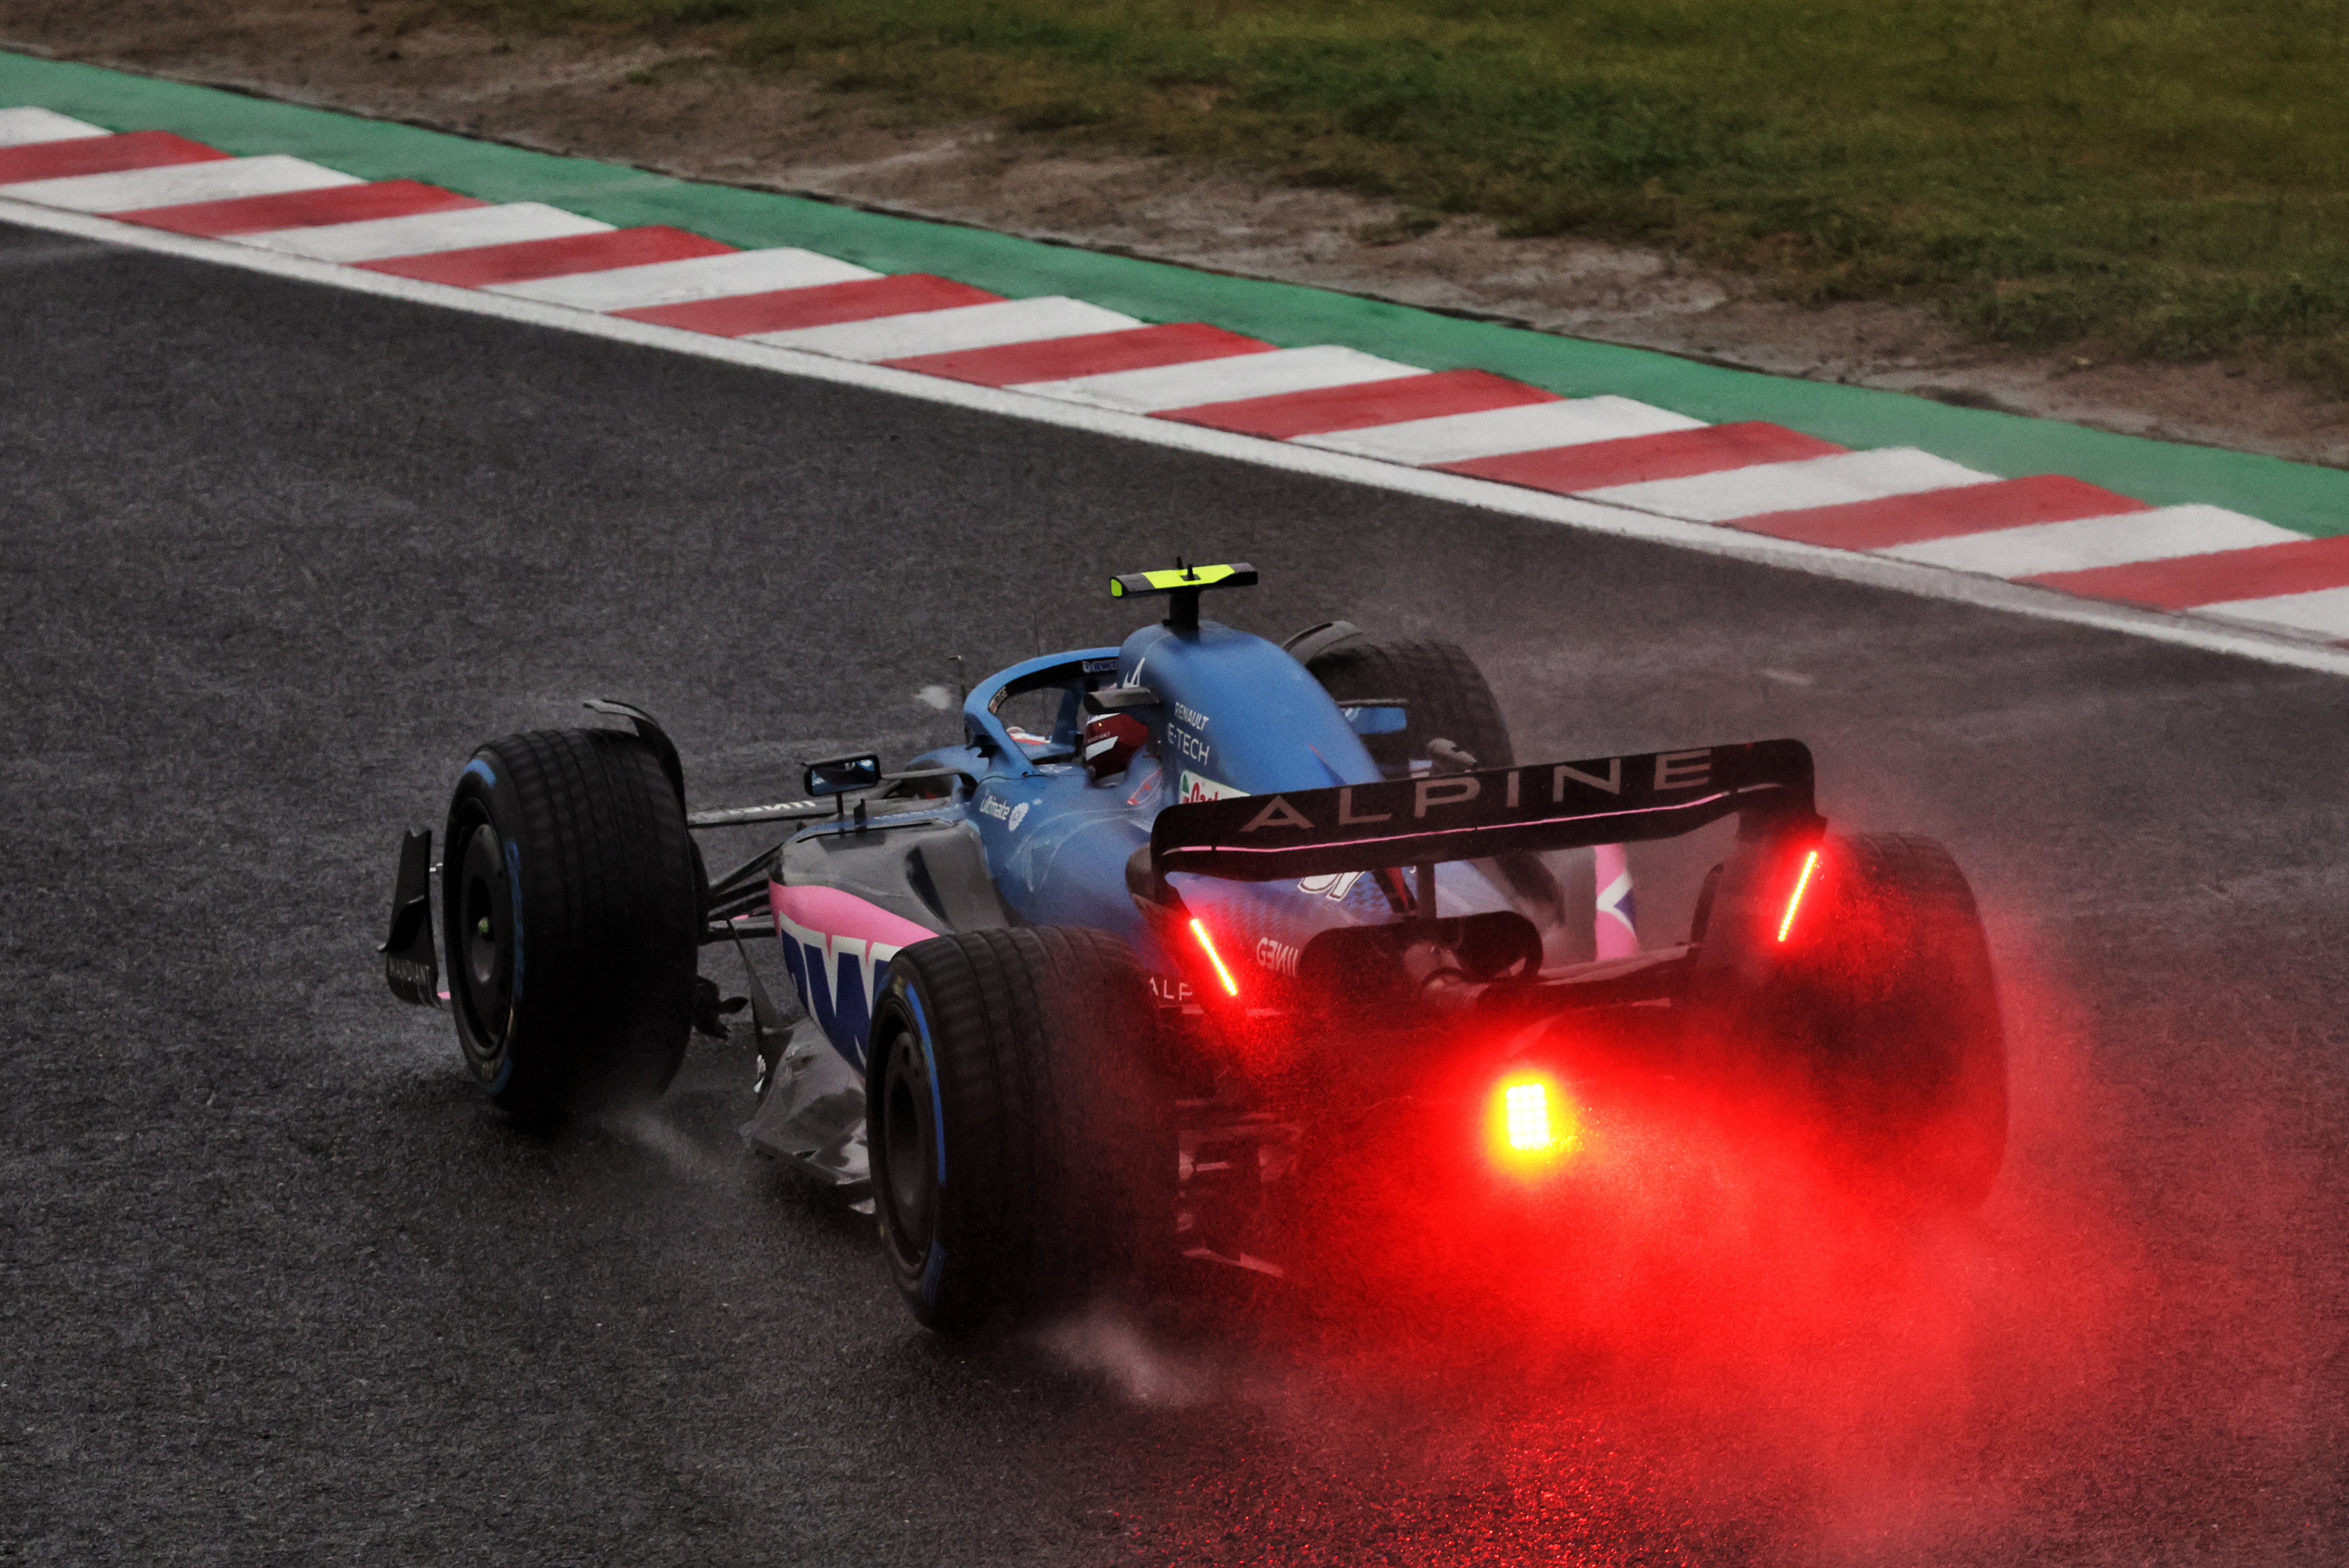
(1445, 697)
(1445, 693)
(1022, 1149)
(570, 917)
(1886, 1009)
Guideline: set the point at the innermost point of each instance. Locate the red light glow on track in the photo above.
(1795, 899)
(1207, 946)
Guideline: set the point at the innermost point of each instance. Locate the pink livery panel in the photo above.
(839, 947)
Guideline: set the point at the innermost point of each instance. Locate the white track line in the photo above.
(1504, 500)
(951, 330)
(684, 282)
(1223, 380)
(25, 126)
(1790, 486)
(2325, 611)
(422, 233)
(176, 184)
(2086, 542)
(1529, 427)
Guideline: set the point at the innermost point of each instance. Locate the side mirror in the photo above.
(1377, 716)
(844, 775)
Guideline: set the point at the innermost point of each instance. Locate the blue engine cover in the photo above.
(1236, 715)
(1239, 715)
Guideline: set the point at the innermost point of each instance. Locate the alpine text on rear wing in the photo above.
(1495, 811)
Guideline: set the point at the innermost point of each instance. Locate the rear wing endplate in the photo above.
(1497, 810)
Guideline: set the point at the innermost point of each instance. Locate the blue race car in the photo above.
(1077, 995)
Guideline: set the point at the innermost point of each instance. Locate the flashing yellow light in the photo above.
(1207, 946)
(1795, 899)
(1532, 1119)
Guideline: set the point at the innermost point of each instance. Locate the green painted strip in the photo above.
(2301, 496)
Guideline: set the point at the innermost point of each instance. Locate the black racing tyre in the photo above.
(1446, 693)
(1888, 1007)
(1020, 1129)
(570, 917)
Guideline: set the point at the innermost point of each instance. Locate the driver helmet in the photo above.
(1110, 743)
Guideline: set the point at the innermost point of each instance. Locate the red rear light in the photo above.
(1795, 899)
(1526, 1108)
(1207, 946)
(1532, 1119)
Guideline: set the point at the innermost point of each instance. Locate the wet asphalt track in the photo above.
(274, 1285)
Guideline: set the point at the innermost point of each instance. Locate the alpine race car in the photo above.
(1084, 994)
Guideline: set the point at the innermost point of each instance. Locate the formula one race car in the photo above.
(1087, 997)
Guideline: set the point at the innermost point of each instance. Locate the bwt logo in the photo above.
(837, 978)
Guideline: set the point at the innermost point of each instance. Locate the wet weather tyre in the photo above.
(1447, 695)
(1888, 1003)
(1022, 1147)
(571, 921)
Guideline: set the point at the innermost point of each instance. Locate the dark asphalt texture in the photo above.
(276, 1285)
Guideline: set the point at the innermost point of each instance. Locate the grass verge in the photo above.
(2139, 176)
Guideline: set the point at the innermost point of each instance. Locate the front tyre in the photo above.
(570, 915)
(1022, 1154)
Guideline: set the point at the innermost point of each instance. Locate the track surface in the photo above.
(275, 1285)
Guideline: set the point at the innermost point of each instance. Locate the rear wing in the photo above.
(1497, 811)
